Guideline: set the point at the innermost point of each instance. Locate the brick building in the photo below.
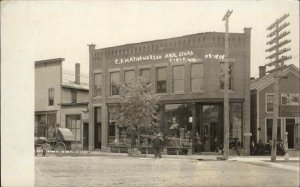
(61, 97)
(262, 93)
(185, 72)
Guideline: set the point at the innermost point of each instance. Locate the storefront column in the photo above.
(193, 109)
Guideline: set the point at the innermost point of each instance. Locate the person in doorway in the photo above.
(157, 145)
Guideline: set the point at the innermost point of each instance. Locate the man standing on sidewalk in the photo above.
(157, 145)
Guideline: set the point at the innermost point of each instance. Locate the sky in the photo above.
(38, 30)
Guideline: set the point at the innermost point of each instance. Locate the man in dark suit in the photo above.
(157, 145)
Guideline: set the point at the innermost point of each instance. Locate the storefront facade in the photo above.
(186, 73)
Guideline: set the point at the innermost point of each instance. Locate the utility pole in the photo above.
(277, 60)
(226, 87)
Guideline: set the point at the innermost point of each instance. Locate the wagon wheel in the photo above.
(60, 149)
(76, 148)
(46, 148)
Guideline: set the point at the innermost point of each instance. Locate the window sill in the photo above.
(161, 94)
(114, 96)
(98, 97)
(229, 91)
(198, 91)
(178, 93)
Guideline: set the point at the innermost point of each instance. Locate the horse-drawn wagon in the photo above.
(62, 140)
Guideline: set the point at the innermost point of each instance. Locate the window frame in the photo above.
(174, 79)
(73, 96)
(51, 96)
(78, 117)
(117, 84)
(266, 102)
(156, 87)
(194, 78)
(97, 88)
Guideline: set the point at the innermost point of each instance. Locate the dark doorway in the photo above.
(290, 126)
(85, 136)
(97, 129)
(209, 126)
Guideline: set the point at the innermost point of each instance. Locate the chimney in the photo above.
(77, 73)
(262, 71)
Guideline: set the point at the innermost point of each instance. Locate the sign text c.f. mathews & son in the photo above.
(182, 56)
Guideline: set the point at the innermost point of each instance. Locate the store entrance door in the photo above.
(290, 129)
(209, 126)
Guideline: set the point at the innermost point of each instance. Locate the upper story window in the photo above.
(97, 84)
(230, 76)
(196, 77)
(289, 99)
(51, 96)
(114, 83)
(269, 103)
(161, 80)
(73, 96)
(128, 76)
(145, 74)
(178, 78)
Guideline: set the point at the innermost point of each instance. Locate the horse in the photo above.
(39, 142)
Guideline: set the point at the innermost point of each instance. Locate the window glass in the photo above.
(269, 101)
(178, 125)
(270, 129)
(196, 77)
(161, 84)
(236, 122)
(51, 96)
(128, 76)
(73, 122)
(98, 84)
(73, 96)
(145, 74)
(178, 78)
(115, 81)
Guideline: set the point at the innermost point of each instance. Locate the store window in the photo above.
(161, 83)
(178, 125)
(73, 122)
(236, 122)
(128, 76)
(270, 129)
(73, 96)
(196, 77)
(269, 102)
(230, 76)
(145, 74)
(178, 79)
(51, 96)
(115, 134)
(114, 83)
(97, 84)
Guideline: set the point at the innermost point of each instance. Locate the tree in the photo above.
(138, 106)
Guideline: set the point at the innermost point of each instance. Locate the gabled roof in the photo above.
(68, 80)
(262, 82)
